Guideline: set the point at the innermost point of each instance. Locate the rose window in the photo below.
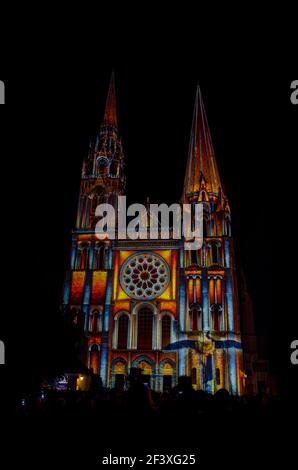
(144, 276)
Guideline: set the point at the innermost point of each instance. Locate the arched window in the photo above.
(102, 166)
(195, 318)
(94, 322)
(228, 227)
(165, 330)
(194, 376)
(145, 327)
(122, 331)
(82, 257)
(215, 317)
(94, 358)
(99, 257)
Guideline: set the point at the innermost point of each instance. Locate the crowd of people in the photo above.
(140, 401)
(81, 425)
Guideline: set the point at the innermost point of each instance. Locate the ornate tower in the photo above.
(103, 169)
(86, 292)
(212, 317)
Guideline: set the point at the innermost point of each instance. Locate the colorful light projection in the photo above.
(98, 291)
(186, 307)
(144, 276)
(77, 287)
(167, 288)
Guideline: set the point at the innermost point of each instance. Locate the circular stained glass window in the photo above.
(144, 276)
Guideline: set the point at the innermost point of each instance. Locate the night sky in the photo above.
(55, 102)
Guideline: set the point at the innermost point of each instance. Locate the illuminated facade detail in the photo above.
(144, 276)
(152, 304)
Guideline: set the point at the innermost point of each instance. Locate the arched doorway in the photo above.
(119, 373)
(146, 372)
(167, 376)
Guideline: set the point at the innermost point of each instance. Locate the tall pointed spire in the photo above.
(110, 116)
(201, 164)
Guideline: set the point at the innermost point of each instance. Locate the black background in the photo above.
(56, 69)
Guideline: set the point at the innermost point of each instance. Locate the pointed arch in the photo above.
(195, 317)
(119, 360)
(95, 322)
(122, 330)
(216, 312)
(102, 166)
(141, 358)
(99, 257)
(214, 252)
(145, 327)
(82, 256)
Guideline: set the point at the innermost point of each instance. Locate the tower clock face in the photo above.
(144, 276)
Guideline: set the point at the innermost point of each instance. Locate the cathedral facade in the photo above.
(150, 303)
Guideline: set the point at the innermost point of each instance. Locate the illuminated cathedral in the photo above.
(151, 304)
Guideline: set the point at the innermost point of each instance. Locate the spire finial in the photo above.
(201, 156)
(110, 116)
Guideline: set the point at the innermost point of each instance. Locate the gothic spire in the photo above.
(110, 115)
(201, 164)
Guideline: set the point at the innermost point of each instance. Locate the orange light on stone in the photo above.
(99, 282)
(77, 286)
(211, 291)
(190, 290)
(218, 291)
